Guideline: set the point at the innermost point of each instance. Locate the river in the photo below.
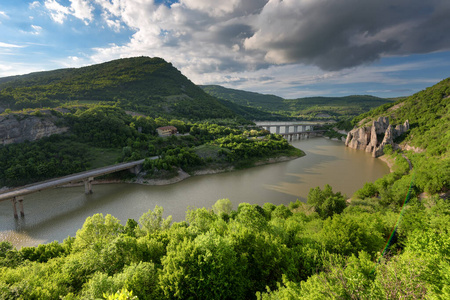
(57, 213)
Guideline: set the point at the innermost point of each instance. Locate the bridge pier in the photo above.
(278, 129)
(88, 185)
(14, 203)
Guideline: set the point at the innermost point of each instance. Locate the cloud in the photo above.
(34, 5)
(57, 12)
(81, 9)
(3, 15)
(6, 45)
(201, 36)
(36, 29)
(314, 41)
(342, 34)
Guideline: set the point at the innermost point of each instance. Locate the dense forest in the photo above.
(390, 240)
(102, 134)
(310, 108)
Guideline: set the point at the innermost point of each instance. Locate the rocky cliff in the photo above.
(16, 128)
(373, 138)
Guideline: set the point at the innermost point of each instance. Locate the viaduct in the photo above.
(298, 130)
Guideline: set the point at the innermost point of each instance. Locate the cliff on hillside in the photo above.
(426, 114)
(373, 138)
(16, 128)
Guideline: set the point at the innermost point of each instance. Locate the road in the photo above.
(39, 186)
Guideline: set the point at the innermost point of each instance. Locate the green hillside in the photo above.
(251, 113)
(428, 113)
(244, 98)
(301, 108)
(148, 85)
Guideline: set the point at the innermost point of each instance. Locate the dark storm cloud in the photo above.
(345, 33)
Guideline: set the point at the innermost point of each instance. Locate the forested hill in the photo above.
(147, 85)
(428, 113)
(305, 108)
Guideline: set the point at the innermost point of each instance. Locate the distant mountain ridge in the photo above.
(306, 108)
(148, 85)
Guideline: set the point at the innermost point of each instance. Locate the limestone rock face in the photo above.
(358, 138)
(15, 129)
(367, 138)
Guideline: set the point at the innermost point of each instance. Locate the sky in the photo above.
(289, 48)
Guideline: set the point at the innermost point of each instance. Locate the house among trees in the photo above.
(166, 130)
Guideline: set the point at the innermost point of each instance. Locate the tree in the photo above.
(326, 203)
(97, 232)
(222, 206)
(152, 221)
(204, 268)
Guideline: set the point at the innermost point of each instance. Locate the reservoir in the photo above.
(57, 213)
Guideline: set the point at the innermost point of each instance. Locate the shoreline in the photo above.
(182, 175)
(388, 161)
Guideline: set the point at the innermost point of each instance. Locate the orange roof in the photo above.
(167, 128)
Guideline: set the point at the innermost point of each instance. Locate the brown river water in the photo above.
(57, 213)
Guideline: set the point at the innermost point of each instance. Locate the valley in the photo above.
(329, 221)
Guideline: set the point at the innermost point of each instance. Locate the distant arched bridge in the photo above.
(292, 130)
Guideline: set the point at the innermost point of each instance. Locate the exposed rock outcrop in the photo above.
(20, 128)
(373, 138)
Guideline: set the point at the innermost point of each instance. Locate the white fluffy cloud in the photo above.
(57, 11)
(81, 9)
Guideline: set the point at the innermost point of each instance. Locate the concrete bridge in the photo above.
(302, 134)
(292, 130)
(287, 127)
(16, 195)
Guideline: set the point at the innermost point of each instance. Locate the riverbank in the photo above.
(182, 175)
(388, 160)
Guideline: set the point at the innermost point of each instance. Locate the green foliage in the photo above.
(326, 203)
(369, 190)
(43, 253)
(222, 207)
(346, 234)
(36, 161)
(97, 231)
(102, 126)
(207, 268)
(269, 252)
(123, 294)
(152, 221)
